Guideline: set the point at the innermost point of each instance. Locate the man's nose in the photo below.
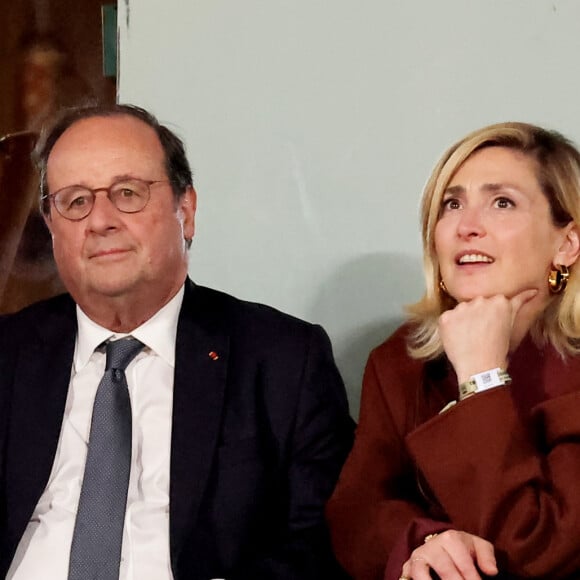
(104, 215)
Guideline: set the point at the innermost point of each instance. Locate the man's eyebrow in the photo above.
(122, 176)
(114, 179)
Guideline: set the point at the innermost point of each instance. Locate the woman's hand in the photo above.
(452, 555)
(476, 335)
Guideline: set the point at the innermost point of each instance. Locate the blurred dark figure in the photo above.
(48, 81)
(27, 269)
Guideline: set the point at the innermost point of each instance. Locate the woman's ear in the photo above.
(569, 250)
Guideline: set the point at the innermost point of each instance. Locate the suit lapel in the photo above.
(198, 399)
(42, 375)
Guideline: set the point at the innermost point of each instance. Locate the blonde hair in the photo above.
(558, 163)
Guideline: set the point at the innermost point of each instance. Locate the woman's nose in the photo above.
(471, 223)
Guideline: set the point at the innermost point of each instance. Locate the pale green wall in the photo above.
(312, 126)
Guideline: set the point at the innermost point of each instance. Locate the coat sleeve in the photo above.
(321, 439)
(517, 488)
(376, 511)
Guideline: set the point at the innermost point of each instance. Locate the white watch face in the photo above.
(488, 379)
(483, 381)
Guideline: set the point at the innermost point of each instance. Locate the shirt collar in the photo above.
(158, 333)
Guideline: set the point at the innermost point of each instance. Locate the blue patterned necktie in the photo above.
(98, 533)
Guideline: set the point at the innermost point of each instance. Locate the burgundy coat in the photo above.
(504, 464)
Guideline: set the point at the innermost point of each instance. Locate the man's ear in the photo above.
(569, 250)
(47, 221)
(187, 207)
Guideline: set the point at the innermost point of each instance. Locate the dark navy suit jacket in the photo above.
(259, 434)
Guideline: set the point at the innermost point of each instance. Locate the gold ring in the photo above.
(405, 578)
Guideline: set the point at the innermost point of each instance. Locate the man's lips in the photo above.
(110, 252)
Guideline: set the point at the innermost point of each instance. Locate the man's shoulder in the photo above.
(56, 304)
(233, 310)
(36, 316)
(252, 327)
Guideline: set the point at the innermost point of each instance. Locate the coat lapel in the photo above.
(198, 400)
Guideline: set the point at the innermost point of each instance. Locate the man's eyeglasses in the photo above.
(76, 202)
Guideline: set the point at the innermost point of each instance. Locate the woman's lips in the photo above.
(473, 257)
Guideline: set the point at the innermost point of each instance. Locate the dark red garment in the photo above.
(504, 465)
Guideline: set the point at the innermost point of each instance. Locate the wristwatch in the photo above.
(482, 381)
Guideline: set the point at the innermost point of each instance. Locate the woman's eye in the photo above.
(503, 203)
(451, 203)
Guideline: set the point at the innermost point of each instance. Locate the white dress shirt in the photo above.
(44, 549)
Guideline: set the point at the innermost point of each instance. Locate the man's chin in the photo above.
(110, 288)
